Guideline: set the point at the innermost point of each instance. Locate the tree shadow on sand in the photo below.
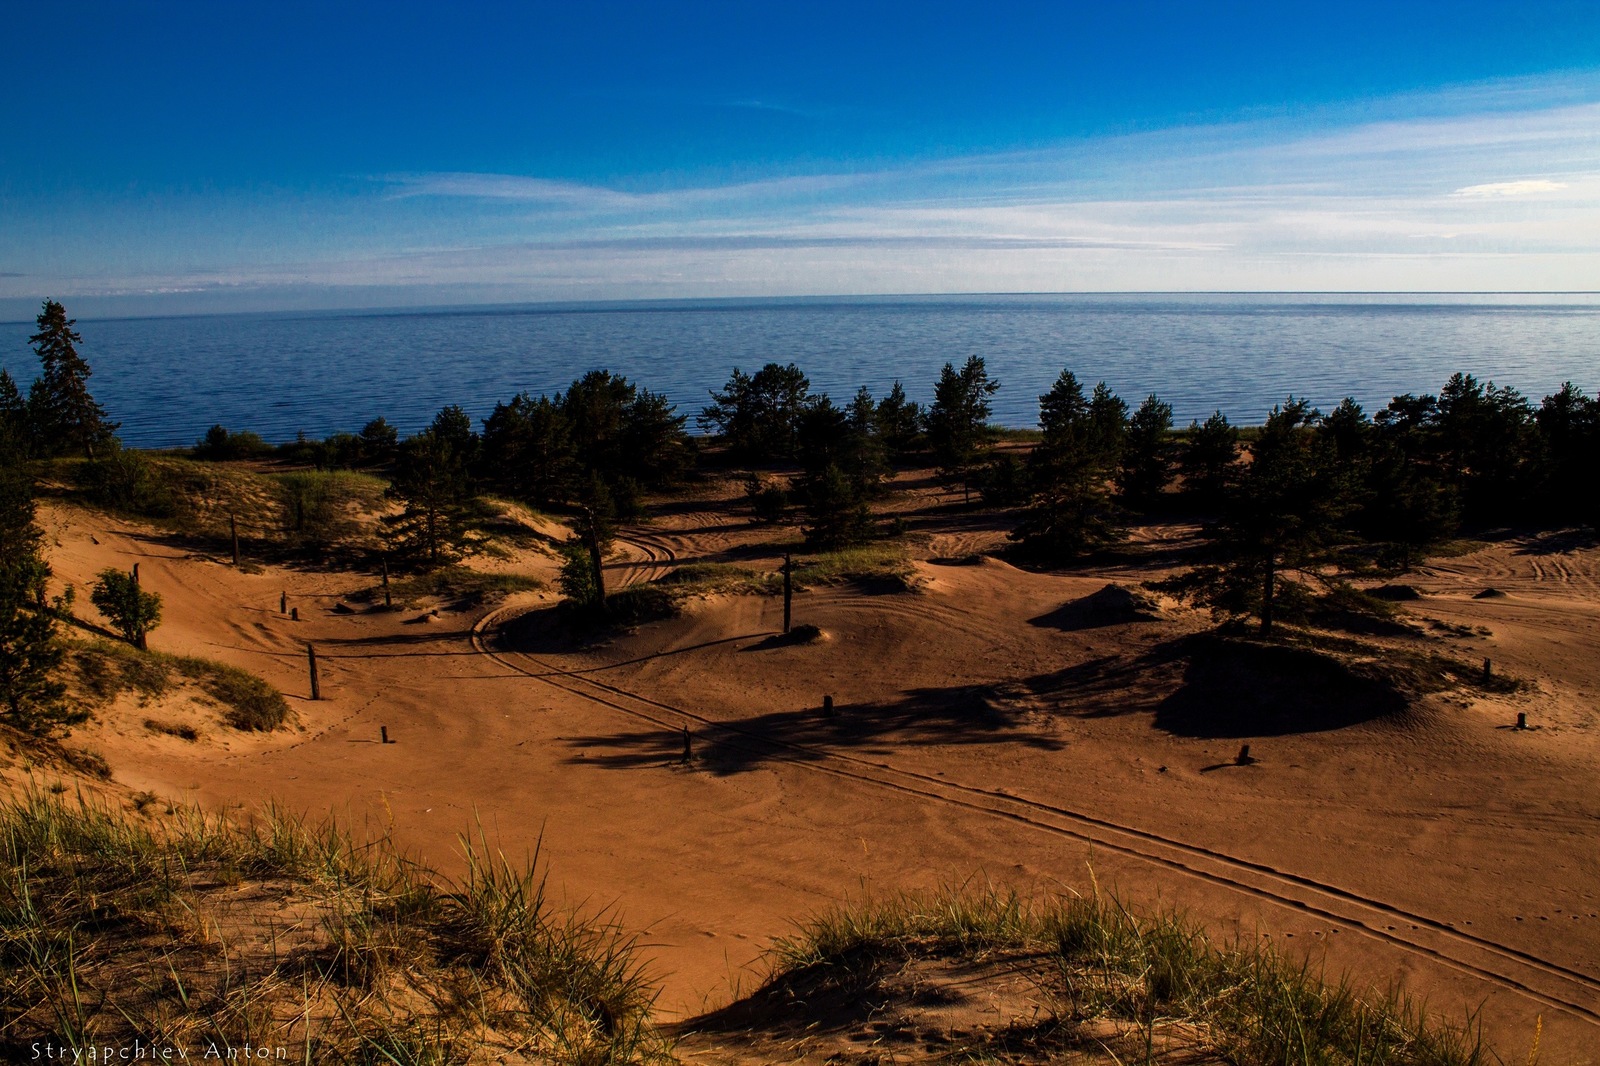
(1559, 542)
(960, 715)
(1203, 686)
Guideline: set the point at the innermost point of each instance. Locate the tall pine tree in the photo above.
(958, 422)
(64, 416)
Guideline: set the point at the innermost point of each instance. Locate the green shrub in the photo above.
(133, 611)
(248, 702)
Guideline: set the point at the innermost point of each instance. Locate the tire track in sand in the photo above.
(1550, 983)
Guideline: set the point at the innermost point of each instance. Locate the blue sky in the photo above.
(183, 157)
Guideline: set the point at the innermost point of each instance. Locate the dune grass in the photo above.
(456, 582)
(1153, 976)
(301, 939)
(105, 668)
(875, 560)
(720, 577)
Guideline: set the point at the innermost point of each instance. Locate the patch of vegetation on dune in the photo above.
(277, 510)
(456, 582)
(102, 669)
(720, 577)
(1107, 986)
(196, 933)
(883, 560)
(876, 561)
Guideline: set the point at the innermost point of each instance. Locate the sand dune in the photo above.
(972, 738)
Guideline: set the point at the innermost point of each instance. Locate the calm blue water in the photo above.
(168, 379)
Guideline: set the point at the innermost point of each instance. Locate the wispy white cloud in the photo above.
(1491, 190)
(601, 199)
(1526, 187)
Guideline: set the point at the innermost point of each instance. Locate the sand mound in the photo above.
(1489, 594)
(1240, 688)
(1111, 606)
(927, 1009)
(1395, 593)
(805, 633)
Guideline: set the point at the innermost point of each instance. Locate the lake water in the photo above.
(168, 379)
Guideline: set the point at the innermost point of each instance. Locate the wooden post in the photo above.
(1243, 758)
(316, 688)
(138, 641)
(827, 706)
(788, 590)
(688, 749)
(294, 614)
(233, 531)
(383, 732)
(1488, 671)
(1522, 720)
(387, 602)
(283, 602)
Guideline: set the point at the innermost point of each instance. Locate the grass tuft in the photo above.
(188, 931)
(1159, 979)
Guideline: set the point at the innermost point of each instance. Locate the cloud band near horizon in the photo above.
(1499, 192)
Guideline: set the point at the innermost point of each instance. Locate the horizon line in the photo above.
(640, 301)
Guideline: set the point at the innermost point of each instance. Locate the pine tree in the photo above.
(1285, 510)
(864, 459)
(31, 695)
(1108, 424)
(1569, 437)
(1409, 503)
(1350, 431)
(958, 422)
(900, 423)
(527, 451)
(1069, 513)
(837, 513)
(1485, 438)
(64, 416)
(430, 479)
(378, 441)
(1147, 454)
(13, 419)
(656, 450)
(1210, 452)
(759, 416)
(843, 468)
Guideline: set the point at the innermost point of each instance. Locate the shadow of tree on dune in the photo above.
(1202, 686)
(960, 715)
(1559, 542)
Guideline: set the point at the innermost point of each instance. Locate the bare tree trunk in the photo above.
(591, 537)
(1267, 592)
(139, 637)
